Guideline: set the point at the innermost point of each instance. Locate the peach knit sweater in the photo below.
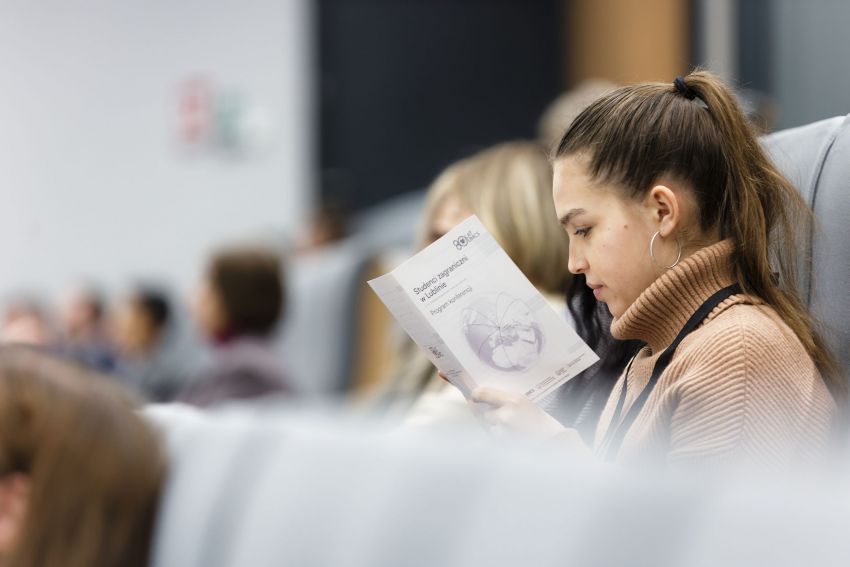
(739, 389)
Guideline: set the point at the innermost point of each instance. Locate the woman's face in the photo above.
(609, 235)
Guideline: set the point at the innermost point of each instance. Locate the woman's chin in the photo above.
(615, 310)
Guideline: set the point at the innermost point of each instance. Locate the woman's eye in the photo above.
(584, 231)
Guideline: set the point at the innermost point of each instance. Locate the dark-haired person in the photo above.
(150, 362)
(80, 472)
(238, 307)
(674, 213)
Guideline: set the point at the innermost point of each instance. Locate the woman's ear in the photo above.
(14, 501)
(664, 205)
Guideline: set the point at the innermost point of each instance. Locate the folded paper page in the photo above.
(478, 318)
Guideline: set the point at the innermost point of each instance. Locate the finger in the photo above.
(493, 396)
(443, 376)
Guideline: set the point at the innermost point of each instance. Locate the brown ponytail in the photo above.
(695, 131)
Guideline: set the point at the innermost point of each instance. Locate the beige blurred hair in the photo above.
(509, 187)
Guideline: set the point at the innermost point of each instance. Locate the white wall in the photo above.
(93, 182)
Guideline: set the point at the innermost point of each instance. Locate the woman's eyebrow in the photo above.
(567, 217)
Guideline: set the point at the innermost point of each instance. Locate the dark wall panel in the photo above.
(409, 86)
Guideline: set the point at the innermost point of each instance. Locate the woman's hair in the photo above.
(250, 285)
(696, 133)
(94, 467)
(509, 187)
(584, 397)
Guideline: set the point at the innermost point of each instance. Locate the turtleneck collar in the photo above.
(660, 312)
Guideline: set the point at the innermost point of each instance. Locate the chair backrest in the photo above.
(316, 340)
(267, 490)
(816, 157)
(319, 339)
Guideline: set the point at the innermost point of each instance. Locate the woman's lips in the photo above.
(597, 291)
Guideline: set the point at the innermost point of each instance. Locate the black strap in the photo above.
(616, 433)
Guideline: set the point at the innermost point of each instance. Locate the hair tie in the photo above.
(684, 89)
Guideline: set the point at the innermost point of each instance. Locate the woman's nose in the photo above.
(576, 263)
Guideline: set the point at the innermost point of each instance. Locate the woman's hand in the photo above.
(506, 413)
(503, 412)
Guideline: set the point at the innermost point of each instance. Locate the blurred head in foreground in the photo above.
(80, 472)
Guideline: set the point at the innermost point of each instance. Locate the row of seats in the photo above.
(287, 489)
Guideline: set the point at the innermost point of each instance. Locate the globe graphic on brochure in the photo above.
(502, 332)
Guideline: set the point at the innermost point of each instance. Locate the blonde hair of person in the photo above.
(509, 187)
(93, 467)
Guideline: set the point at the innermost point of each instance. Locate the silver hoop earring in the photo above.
(652, 254)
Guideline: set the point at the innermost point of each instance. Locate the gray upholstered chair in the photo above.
(816, 157)
(318, 340)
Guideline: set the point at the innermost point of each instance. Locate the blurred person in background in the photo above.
(237, 308)
(758, 106)
(329, 223)
(25, 321)
(80, 472)
(150, 361)
(83, 330)
(509, 187)
(563, 110)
